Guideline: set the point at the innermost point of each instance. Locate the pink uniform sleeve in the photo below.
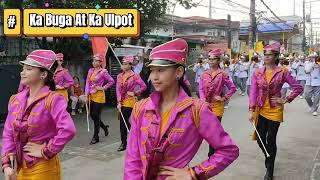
(201, 89)
(68, 80)
(140, 83)
(8, 145)
(230, 85)
(226, 151)
(253, 92)
(87, 88)
(64, 126)
(133, 164)
(119, 87)
(109, 79)
(294, 84)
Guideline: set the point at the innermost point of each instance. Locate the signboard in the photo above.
(126, 51)
(210, 47)
(308, 18)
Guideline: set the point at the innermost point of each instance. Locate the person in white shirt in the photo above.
(301, 75)
(226, 68)
(293, 63)
(137, 64)
(312, 88)
(284, 62)
(199, 68)
(243, 74)
(253, 66)
(236, 74)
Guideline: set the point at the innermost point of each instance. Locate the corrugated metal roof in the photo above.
(271, 27)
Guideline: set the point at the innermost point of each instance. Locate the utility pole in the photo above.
(210, 9)
(311, 33)
(253, 26)
(304, 28)
(229, 31)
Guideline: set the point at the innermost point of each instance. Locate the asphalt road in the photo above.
(298, 155)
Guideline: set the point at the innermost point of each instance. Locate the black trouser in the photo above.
(268, 132)
(126, 111)
(95, 113)
(211, 149)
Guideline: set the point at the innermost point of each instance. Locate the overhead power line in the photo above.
(229, 1)
(224, 9)
(274, 14)
(313, 1)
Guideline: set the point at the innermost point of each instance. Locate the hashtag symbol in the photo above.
(11, 21)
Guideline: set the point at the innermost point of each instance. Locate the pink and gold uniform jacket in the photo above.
(190, 122)
(45, 120)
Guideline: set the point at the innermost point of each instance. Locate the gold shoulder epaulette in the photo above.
(12, 98)
(196, 111)
(138, 106)
(49, 99)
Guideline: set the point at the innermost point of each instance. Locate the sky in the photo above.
(280, 8)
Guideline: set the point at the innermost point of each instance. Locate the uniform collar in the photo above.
(183, 100)
(23, 96)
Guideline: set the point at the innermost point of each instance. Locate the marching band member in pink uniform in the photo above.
(62, 78)
(98, 80)
(37, 126)
(127, 92)
(212, 84)
(168, 128)
(266, 105)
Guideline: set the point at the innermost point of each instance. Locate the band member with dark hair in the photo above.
(212, 84)
(169, 126)
(127, 92)
(37, 126)
(62, 78)
(98, 81)
(266, 105)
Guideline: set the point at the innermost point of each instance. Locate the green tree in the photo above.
(151, 14)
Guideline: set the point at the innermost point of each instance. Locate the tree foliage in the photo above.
(151, 12)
